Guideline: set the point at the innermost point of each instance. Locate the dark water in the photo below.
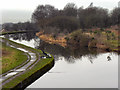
(74, 68)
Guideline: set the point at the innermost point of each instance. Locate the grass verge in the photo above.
(11, 58)
(40, 65)
(13, 32)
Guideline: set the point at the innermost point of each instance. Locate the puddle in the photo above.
(32, 60)
(11, 74)
(1, 79)
(12, 46)
(19, 70)
(22, 49)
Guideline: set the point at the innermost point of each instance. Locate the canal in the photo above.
(74, 68)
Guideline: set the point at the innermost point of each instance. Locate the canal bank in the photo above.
(79, 68)
(33, 72)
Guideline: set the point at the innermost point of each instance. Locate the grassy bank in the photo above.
(50, 39)
(105, 39)
(13, 32)
(11, 58)
(40, 65)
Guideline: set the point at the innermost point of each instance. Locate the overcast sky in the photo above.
(21, 10)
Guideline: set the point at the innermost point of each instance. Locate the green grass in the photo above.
(111, 40)
(22, 46)
(12, 58)
(113, 45)
(14, 32)
(22, 77)
(41, 64)
(103, 39)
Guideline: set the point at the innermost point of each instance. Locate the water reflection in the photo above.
(85, 68)
(22, 36)
(70, 55)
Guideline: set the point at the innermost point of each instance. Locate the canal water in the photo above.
(74, 68)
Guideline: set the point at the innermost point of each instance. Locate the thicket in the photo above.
(68, 19)
(71, 18)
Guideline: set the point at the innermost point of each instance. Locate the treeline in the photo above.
(70, 18)
(19, 26)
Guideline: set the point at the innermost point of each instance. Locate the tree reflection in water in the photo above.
(68, 54)
(22, 36)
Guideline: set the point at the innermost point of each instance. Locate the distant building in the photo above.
(119, 4)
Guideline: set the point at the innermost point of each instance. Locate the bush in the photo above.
(92, 44)
(108, 31)
(77, 38)
(66, 38)
(102, 29)
(95, 32)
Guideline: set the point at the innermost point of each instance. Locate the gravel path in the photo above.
(28, 64)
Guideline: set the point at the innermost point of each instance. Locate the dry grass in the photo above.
(49, 39)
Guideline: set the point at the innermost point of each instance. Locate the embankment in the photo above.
(104, 40)
(37, 74)
(40, 67)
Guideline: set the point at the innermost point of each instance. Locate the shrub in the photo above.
(79, 39)
(102, 29)
(92, 43)
(66, 38)
(108, 31)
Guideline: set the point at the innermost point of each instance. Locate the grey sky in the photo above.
(15, 16)
(21, 10)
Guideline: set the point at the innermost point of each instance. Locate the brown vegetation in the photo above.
(5, 52)
(50, 39)
(106, 39)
